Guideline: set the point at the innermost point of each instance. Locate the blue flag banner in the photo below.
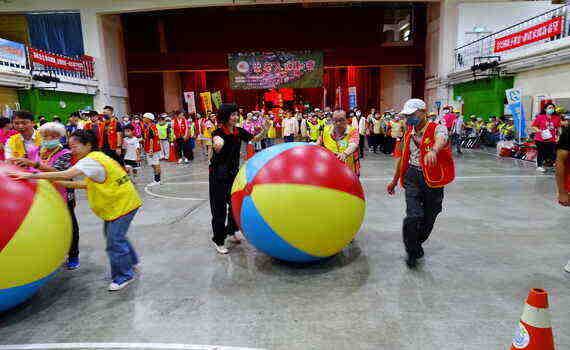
(517, 110)
(352, 97)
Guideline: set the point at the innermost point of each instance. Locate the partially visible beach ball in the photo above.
(34, 239)
(297, 202)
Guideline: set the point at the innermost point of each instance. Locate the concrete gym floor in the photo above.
(501, 233)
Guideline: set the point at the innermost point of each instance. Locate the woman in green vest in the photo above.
(111, 195)
(164, 136)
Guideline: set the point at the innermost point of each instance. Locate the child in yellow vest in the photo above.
(111, 195)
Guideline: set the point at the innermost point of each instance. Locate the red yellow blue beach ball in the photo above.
(297, 202)
(34, 239)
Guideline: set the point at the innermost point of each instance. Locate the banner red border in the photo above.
(538, 32)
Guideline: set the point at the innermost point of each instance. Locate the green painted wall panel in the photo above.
(47, 102)
(484, 97)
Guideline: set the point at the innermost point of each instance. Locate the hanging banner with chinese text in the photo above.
(217, 99)
(189, 98)
(206, 101)
(275, 70)
(535, 33)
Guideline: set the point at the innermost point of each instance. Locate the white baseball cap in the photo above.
(148, 115)
(317, 110)
(412, 105)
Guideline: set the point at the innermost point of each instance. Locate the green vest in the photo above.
(162, 131)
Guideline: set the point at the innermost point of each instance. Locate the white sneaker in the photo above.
(113, 287)
(567, 267)
(154, 183)
(541, 169)
(222, 249)
(180, 161)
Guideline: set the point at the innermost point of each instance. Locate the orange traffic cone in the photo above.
(534, 331)
(249, 150)
(173, 154)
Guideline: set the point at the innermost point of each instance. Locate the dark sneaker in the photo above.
(72, 264)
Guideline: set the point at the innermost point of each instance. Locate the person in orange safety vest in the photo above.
(424, 168)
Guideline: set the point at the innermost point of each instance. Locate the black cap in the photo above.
(226, 109)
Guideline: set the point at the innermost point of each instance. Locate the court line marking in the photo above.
(149, 192)
(119, 346)
(471, 177)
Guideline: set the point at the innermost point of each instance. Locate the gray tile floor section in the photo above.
(500, 234)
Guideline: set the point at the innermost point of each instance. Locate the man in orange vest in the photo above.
(113, 135)
(424, 168)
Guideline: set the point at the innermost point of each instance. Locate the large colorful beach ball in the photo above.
(35, 236)
(297, 202)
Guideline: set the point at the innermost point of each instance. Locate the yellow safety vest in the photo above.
(162, 131)
(314, 130)
(339, 146)
(16, 144)
(272, 133)
(116, 196)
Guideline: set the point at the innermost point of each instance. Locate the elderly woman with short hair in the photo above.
(54, 157)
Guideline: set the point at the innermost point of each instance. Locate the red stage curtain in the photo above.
(366, 81)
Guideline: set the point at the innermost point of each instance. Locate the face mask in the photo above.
(51, 144)
(413, 121)
(358, 114)
(550, 111)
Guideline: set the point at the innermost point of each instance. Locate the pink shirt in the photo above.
(449, 120)
(546, 122)
(4, 136)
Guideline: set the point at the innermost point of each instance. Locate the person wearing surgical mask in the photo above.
(424, 168)
(54, 157)
(546, 126)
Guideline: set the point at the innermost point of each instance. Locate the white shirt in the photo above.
(457, 125)
(290, 127)
(92, 169)
(362, 126)
(131, 145)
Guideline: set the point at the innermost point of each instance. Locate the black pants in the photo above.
(546, 153)
(221, 207)
(74, 248)
(290, 138)
(114, 155)
(361, 146)
(183, 148)
(389, 145)
(378, 140)
(423, 204)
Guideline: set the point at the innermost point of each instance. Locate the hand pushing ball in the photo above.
(34, 238)
(297, 202)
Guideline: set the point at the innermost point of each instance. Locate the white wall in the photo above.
(543, 82)
(496, 16)
(395, 87)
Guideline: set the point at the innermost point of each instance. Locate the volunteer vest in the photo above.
(314, 130)
(179, 126)
(16, 144)
(99, 132)
(271, 133)
(162, 131)
(111, 133)
(438, 175)
(339, 146)
(116, 196)
(147, 139)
